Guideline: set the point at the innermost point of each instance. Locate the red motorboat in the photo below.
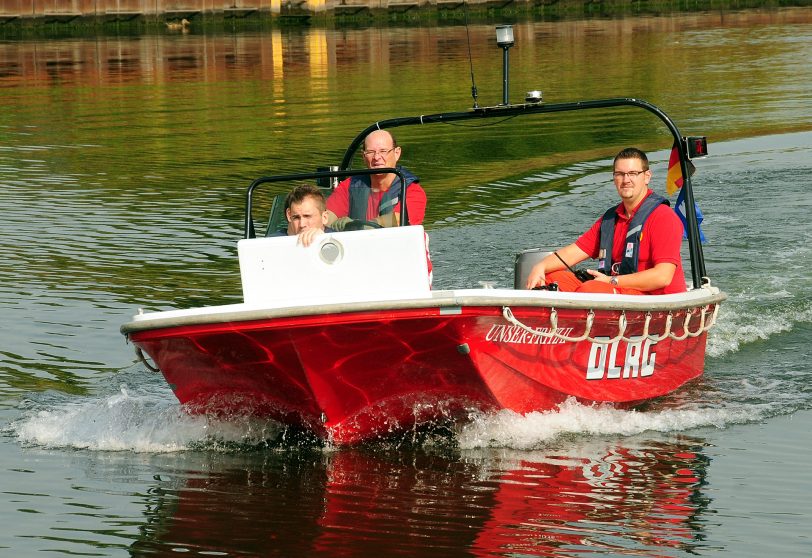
(351, 358)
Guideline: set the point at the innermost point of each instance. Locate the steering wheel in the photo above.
(359, 225)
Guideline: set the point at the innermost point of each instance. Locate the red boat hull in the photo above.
(355, 376)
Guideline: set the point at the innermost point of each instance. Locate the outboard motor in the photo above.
(524, 263)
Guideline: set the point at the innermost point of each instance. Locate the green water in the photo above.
(123, 166)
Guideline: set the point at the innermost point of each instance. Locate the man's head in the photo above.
(631, 175)
(381, 150)
(305, 209)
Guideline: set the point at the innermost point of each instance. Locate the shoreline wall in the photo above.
(95, 12)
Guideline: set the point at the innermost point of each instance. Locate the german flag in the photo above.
(674, 180)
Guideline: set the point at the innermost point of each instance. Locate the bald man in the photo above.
(377, 197)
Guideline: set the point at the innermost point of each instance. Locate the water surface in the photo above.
(123, 165)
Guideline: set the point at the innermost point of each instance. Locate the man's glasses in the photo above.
(382, 153)
(631, 174)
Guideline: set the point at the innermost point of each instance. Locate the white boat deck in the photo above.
(374, 270)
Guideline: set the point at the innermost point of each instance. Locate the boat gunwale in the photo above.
(437, 300)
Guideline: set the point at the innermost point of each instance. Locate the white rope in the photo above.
(712, 321)
(704, 326)
(621, 326)
(669, 320)
(590, 319)
(650, 336)
(553, 333)
(645, 325)
(684, 329)
(701, 329)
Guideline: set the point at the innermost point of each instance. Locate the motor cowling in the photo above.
(525, 261)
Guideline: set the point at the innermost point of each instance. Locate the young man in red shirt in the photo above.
(637, 243)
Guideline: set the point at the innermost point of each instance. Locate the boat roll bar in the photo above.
(688, 147)
(250, 230)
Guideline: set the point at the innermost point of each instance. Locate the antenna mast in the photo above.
(470, 59)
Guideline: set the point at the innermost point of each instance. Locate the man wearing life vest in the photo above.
(637, 243)
(376, 198)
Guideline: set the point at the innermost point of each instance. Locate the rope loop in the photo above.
(712, 321)
(684, 329)
(553, 320)
(701, 329)
(590, 320)
(140, 354)
(669, 319)
(553, 333)
(645, 334)
(621, 327)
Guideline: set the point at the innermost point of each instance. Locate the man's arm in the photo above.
(657, 277)
(338, 203)
(571, 254)
(575, 253)
(416, 201)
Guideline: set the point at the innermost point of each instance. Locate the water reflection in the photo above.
(629, 498)
(623, 500)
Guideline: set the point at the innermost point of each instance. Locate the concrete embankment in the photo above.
(68, 11)
(195, 12)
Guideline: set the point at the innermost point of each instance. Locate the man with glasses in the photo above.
(637, 243)
(376, 198)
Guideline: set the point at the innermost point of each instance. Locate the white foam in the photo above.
(140, 423)
(512, 430)
(738, 326)
(156, 423)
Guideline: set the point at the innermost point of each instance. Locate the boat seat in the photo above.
(277, 219)
(350, 266)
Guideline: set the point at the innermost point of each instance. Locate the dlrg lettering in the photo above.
(638, 360)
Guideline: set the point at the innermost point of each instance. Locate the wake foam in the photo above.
(533, 430)
(137, 422)
(142, 423)
(740, 325)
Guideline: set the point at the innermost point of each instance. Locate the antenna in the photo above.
(470, 59)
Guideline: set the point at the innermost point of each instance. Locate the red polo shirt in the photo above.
(339, 202)
(660, 242)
